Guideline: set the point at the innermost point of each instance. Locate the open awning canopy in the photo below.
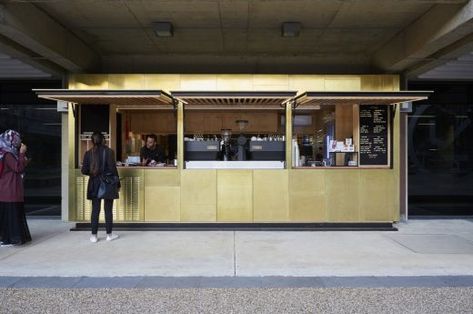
(310, 100)
(234, 100)
(124, 99)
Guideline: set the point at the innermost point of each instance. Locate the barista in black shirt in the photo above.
(151, 151)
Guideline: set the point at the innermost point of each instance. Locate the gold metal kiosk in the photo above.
(328, 157)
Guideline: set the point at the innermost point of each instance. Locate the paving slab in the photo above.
(108, 282)
(133, 254)
(169, 282)
(338, 254)
(457, 281)
(46, 282)
(434, 244)
(6, 282)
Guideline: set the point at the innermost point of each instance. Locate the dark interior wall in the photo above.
(440, 150)
(39, 123)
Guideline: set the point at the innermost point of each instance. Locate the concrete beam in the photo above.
(440, 27)
(31, 28)
(445, 55)
(24, 55)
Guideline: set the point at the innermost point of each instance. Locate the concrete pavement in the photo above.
(419, 248)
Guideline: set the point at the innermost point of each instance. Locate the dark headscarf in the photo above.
(10, 142)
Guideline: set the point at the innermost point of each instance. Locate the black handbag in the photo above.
(108, 188)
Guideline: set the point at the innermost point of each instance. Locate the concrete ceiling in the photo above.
(235, 36)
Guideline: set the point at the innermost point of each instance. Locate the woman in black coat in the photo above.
(100, 160)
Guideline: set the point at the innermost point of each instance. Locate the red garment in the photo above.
(11, 183)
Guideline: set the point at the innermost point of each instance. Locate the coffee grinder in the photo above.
(226, 145)
(242, 140)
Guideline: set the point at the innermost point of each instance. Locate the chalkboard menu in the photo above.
(374, 132)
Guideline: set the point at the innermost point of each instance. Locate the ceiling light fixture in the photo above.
(163, 29)
(290, 29)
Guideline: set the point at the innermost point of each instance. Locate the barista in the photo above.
(151, 153)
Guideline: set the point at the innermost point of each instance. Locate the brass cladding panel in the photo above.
(88, 81)
(162, 203)
(180, 136)
(131, 202)
(235, 195)
(312, 195)
(396, 189)
(162, 177)
(235, 82)
(342, 83)
(342, 195)
(376, 195)
(307, 196)
(131, 81)
(199, 195)
(166, 82)
(306, 82)
(82, 205)
(289, 135)
(162, 195)
(130, 205)
(270, 198)
(387, 83)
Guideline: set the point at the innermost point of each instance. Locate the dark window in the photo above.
(40, 126)
(440, 132)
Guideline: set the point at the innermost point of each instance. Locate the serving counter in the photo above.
(249, 191)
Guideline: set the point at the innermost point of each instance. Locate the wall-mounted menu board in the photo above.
(374, 135)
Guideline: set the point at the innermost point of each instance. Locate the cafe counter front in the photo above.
(292, 155)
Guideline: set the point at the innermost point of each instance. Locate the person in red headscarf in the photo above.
(13, 227)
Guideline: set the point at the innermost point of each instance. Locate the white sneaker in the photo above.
(112, 236)
(6, 245)
(93, 238)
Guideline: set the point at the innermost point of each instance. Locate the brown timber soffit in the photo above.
(234, 100)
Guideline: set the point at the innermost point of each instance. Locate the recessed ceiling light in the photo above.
(163, 29)
(290, 29)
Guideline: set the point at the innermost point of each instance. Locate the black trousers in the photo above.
(13, 226)
(94, 219)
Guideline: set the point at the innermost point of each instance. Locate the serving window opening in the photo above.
(149, 137)
(234, 130)
(346, 129)
(126, 118)
(234, 135)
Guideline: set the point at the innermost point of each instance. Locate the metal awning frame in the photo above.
(309, 100)
(149, 99)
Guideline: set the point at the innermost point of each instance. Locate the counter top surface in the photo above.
(141, 167)
(340, 167)
(248, 164)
